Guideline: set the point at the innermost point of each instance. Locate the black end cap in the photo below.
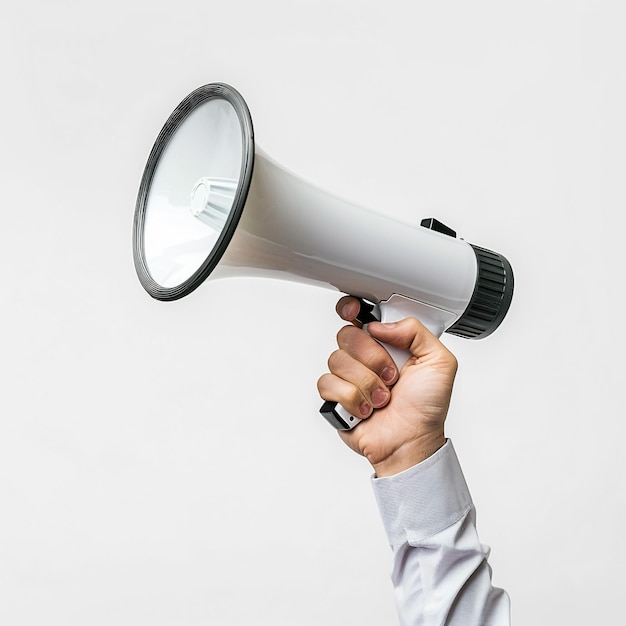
(328, 410)
(491, 299)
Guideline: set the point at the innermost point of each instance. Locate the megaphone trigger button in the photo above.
(367, 313)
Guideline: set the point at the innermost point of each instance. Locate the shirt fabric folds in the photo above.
(440, 572)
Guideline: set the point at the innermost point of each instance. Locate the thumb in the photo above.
(408, 334)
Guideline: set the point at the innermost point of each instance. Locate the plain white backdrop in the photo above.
(164, 463)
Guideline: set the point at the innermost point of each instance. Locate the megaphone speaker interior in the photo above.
(211, 204)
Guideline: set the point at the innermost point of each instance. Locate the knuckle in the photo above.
(320, 384)
(453, 362)
(345, 336)
(335, 359)
(323, 383)
(447, 360)
(415, 326)
(355, 397)
(369, 382)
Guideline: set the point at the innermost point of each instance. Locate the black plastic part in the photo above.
(491, 298)
(365, 315)
(329, 408)
(178, 116)
(332, 417)
(433, 224)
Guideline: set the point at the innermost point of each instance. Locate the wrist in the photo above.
(408, 455)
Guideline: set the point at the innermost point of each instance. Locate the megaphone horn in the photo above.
(211, 204)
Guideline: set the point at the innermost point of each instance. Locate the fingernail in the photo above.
(379, 397)
(389, 324)
(388, 374)
(365, 408)
(346, 310)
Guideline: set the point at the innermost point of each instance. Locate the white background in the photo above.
(164, 463)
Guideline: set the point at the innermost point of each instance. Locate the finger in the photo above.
(337, 389)
(410, 334)
(348, 308)
(370, 386)
(360, 346)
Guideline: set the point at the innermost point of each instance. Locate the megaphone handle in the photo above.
(333, 412)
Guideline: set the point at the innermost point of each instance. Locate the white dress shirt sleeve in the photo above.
(440, 572)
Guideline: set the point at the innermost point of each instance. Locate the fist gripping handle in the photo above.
(394, 309)
(333, 412)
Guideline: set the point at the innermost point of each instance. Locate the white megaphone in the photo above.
(209, 204)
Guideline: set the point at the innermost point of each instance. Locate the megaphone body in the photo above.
(211, 204)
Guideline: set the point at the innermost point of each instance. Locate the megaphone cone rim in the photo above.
(196, 98)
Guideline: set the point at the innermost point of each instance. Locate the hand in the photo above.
(407, 425)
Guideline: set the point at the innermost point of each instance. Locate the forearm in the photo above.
(440, 571)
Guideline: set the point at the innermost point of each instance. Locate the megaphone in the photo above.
(211, 204)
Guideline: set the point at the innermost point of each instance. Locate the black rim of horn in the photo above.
(179, 115)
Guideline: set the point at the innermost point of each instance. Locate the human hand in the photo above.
(407, 425)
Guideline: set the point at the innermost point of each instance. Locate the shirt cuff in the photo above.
(424, 499)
